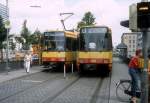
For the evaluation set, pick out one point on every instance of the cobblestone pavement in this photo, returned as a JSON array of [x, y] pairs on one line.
[[14, 87], [51, 87]]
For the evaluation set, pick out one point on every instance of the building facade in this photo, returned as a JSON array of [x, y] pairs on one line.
[[3, 12], [14, 47], [131, 41]]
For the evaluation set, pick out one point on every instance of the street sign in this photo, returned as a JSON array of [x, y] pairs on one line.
[[7, 24]]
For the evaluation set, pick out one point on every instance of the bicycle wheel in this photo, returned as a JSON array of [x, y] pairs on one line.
[[120, 91]]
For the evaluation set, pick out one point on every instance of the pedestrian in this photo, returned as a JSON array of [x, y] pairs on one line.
[[135, 72], [27, 61]]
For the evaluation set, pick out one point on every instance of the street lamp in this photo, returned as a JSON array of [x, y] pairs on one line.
[[7, 26]]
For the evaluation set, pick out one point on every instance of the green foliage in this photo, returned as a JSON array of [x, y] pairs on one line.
[[12, 46], [81, 24], [19, 40], [25, 33], [87, 20], [36, 37], [28, 37], [3, 32]]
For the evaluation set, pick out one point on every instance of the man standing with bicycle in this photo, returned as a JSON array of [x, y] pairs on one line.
[[134, 72]]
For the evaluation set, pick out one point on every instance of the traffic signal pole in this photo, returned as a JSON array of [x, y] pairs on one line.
[[144, 81], [143, 24], [144, 76], [140, 21]]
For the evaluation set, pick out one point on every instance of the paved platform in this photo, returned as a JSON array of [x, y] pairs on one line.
[[120, 71], [5, 76], [51, 87]]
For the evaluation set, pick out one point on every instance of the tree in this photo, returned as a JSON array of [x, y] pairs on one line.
[[19, 39], [3, 34], [81, 24], [12, 46], [25, 33], [36, 37], [87, 20]]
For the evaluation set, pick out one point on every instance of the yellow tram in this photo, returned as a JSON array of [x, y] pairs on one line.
[[59, 48], [95, 49]]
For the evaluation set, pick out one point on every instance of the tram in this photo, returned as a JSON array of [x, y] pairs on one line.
[[95, 49], [59, 49]]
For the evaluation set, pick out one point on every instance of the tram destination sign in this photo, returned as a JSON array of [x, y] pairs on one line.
[[94, 30]]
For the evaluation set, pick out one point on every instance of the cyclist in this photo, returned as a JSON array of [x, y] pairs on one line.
[[134, 72]]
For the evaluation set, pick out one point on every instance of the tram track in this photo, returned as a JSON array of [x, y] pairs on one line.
[[82, 89], [97, 90], [50, 99]]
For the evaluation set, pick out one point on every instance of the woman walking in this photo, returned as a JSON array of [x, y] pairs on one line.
[[27, 62]]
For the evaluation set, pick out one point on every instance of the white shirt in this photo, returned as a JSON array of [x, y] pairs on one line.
[[27, 58]]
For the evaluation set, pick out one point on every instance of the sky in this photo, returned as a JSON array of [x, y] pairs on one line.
[[106, 12]]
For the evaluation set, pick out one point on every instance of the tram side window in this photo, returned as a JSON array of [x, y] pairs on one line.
[[109, 44], [68, 44]]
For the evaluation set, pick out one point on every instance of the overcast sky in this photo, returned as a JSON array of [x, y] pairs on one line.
[[106, 12]]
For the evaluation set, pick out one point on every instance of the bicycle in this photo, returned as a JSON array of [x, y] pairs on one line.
[[123, 91]]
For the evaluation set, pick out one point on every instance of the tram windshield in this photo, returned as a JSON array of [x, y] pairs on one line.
[[54, 41], [93, 39]]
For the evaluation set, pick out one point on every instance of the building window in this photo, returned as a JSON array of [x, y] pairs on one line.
[[133, 41], [129, 37], [129, 41], [129, 46]]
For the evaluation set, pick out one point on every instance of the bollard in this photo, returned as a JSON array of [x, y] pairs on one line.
[[72, 67], [64, 71]]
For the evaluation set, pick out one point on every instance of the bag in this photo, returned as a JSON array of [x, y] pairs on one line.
[[140, 63]]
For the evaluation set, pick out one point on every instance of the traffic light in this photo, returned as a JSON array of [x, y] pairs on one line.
[[143, 15]]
